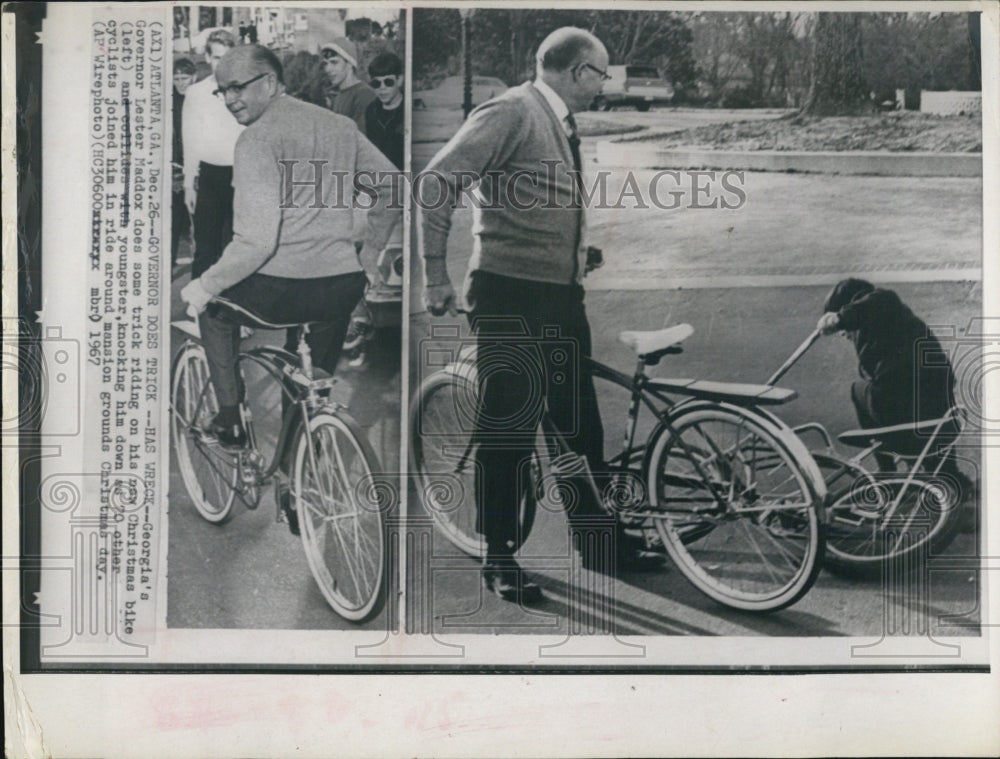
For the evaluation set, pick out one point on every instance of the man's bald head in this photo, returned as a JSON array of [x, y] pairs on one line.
[[249, 78], [574, 63], [257, 57], [565, 47]]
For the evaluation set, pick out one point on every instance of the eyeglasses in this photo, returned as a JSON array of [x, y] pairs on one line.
[[605, 76], [237, 89], [382, 81]]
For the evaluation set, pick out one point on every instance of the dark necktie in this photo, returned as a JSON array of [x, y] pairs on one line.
[[574, 146], [574, 141]]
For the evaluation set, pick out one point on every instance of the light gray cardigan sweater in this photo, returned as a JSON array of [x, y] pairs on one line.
[[300, 225], [527, 217]]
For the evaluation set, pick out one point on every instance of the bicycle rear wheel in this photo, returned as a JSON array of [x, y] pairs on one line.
[[340, 509], [739, 514], [875, 521], [442, 418], [208, 470]]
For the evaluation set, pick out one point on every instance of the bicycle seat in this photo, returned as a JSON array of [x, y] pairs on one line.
[[651, 346], [188, 327], [896, 434]]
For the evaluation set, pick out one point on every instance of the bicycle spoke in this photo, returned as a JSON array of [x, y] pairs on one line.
[[209, 473], [756, 547], [759, 548], [331, 499], [343, 539], [790, 557]]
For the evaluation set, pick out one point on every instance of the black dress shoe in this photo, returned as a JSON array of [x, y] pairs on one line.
[[231, 436], [508, 581], [284, 496]]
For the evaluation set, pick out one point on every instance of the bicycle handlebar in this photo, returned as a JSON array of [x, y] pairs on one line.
[[263, 324], [796, 355]]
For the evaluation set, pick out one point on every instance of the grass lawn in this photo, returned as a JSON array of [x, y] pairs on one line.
[[901, 131]]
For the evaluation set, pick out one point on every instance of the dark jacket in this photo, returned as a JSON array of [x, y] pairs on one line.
[[908, 369], [385, 130]]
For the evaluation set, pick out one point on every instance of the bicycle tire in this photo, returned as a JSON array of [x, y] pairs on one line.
[[761, 548], [209, 472], [442, 416], [340, 504], [862, 540]]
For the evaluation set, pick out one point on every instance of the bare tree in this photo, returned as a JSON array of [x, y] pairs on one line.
[[837, 79]]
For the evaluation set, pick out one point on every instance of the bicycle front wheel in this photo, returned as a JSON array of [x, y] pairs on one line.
[[340, 505], [442, 419], [209, 471], [737, 511]]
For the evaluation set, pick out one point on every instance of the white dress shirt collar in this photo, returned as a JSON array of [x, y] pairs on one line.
[[555, 102]]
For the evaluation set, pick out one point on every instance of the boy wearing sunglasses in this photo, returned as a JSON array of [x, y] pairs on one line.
[[384, 115]]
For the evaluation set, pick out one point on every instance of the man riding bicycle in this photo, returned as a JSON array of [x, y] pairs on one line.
[[292, 258]]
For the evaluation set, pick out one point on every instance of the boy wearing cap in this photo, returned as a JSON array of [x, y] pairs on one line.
[[351, 95]]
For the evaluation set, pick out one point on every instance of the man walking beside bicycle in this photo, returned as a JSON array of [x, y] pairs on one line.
[[292, 258], [524, 285]]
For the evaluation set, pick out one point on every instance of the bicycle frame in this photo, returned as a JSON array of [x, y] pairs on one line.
[[915, 463], [646, 391], [285, 369]]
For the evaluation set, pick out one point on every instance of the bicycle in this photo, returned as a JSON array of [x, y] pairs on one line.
[[876, 519], [727, 488], [333, 468]]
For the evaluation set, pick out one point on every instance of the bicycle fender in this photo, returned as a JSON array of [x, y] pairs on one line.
[[772, 423]]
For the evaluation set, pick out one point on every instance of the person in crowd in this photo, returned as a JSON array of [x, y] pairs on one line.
[[305, 78], [202, 70], [209, 132], [351, 96], [180, 218], [384, 124], [290, 259], [524, 285]]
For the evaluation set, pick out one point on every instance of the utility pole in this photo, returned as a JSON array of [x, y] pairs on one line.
[[466, 14]]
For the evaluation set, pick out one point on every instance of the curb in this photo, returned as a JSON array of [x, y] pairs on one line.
[[879, 163]]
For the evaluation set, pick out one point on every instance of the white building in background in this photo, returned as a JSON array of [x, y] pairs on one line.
[[282, 28], [277, 27], [951, 103]]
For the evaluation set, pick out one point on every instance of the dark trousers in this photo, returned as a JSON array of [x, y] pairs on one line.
[[329, 300], [180, 224], [530, 340], [213, 216], [886, 404], [180, 220]]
